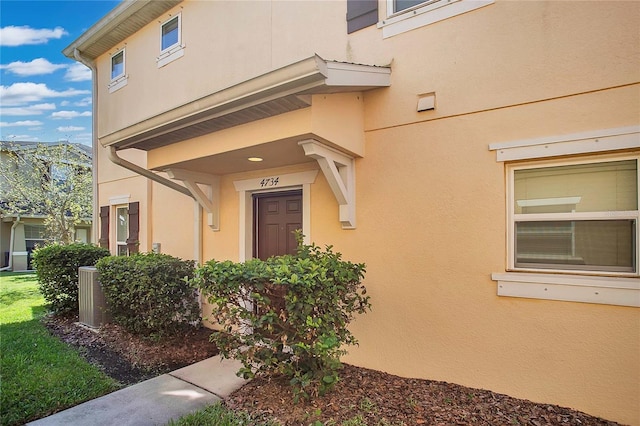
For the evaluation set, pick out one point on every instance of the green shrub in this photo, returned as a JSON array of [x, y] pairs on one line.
[[149, 294], [296, 322], [57, 271]]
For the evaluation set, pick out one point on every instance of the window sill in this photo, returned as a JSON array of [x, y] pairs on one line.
[[170, 55], [411, 19], [620, 291], [118, 83]]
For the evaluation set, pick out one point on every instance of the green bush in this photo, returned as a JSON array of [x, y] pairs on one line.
[[149, 294], [295, 323], [57, 271]]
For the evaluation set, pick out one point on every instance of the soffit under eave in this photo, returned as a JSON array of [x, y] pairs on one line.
[[277, 92], [122, 22]]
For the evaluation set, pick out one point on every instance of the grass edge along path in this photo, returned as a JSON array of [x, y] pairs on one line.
[[39, 375], [219, 415]]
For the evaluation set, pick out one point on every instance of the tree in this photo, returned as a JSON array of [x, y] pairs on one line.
[[49, 179]]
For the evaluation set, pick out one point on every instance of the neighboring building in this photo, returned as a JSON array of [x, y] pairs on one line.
[[21, 232], [481, 157]]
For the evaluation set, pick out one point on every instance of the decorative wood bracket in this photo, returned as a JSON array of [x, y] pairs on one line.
[[209, 201], [339, 170]]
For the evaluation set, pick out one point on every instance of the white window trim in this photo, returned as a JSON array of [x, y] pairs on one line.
[[119, 199], [176, 50], [571, 144], [246, 189], [119, 81], [570, 286], [426, 13], [601, 290]]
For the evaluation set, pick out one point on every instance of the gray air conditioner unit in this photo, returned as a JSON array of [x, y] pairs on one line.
[[93, 305]]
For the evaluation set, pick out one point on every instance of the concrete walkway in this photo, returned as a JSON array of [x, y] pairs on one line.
[[156, 401]]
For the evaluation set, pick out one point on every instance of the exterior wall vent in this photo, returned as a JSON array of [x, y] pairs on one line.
[[93, 305]]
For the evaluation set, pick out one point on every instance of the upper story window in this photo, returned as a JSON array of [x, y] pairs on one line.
[[170, 33], [406, 15], [118, 71], [171, 47], [117, 65], [399, 5]]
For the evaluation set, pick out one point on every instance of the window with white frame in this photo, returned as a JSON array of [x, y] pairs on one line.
[[406, 15], [574, 216], [122, 230], [118, 75], [171, 47]]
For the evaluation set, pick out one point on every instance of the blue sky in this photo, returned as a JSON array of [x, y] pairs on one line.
[[44, 96]]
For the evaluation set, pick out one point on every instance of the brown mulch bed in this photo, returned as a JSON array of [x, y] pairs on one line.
[[369, 397], [362, 397], [127, 358]]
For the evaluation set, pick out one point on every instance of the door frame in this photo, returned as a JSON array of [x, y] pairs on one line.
[[270, 183]]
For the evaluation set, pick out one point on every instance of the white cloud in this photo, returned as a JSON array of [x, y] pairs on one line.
[[70, 114], [28, 110], [38, 66], [22, 93], [78, 72], [20, 36], [65, 103], [70, 129], [21, 123], [23, 138], [84, 102]]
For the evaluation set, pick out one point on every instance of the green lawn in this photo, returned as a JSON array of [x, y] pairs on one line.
[[218, 415], [39, 374]]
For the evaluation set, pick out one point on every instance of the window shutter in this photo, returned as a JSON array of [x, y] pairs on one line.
[[361, 14], [134, 227], [104, 227]]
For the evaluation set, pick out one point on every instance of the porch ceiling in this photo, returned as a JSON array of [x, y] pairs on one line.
[[277, 92], [274, 154]]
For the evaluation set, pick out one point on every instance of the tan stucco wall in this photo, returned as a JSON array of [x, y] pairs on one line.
[[172, 219], [431, 219]]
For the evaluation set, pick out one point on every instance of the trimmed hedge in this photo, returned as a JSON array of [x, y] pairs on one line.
[[287, 315], [149, 294], [57, 271]]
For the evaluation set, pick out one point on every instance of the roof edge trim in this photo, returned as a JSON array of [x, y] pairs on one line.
[[310, 75]]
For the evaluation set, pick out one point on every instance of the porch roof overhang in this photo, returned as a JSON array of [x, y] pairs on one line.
[[280, 91]]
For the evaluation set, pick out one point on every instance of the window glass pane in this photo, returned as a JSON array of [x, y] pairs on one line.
[[170, 33], [399, 5], [594, 187], [122, 250], [34, 232], [117, 65], [122, 225], [607, 245]]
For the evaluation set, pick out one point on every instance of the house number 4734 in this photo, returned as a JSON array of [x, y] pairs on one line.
[[269, 182]]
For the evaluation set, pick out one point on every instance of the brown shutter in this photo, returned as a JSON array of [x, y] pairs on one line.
[[361, 14], [133, 243], [104, 227]]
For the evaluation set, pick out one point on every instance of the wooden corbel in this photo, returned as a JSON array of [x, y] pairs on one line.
[[209, 201], [340, 172]]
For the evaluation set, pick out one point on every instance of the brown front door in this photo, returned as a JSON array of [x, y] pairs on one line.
[[277, 216]]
